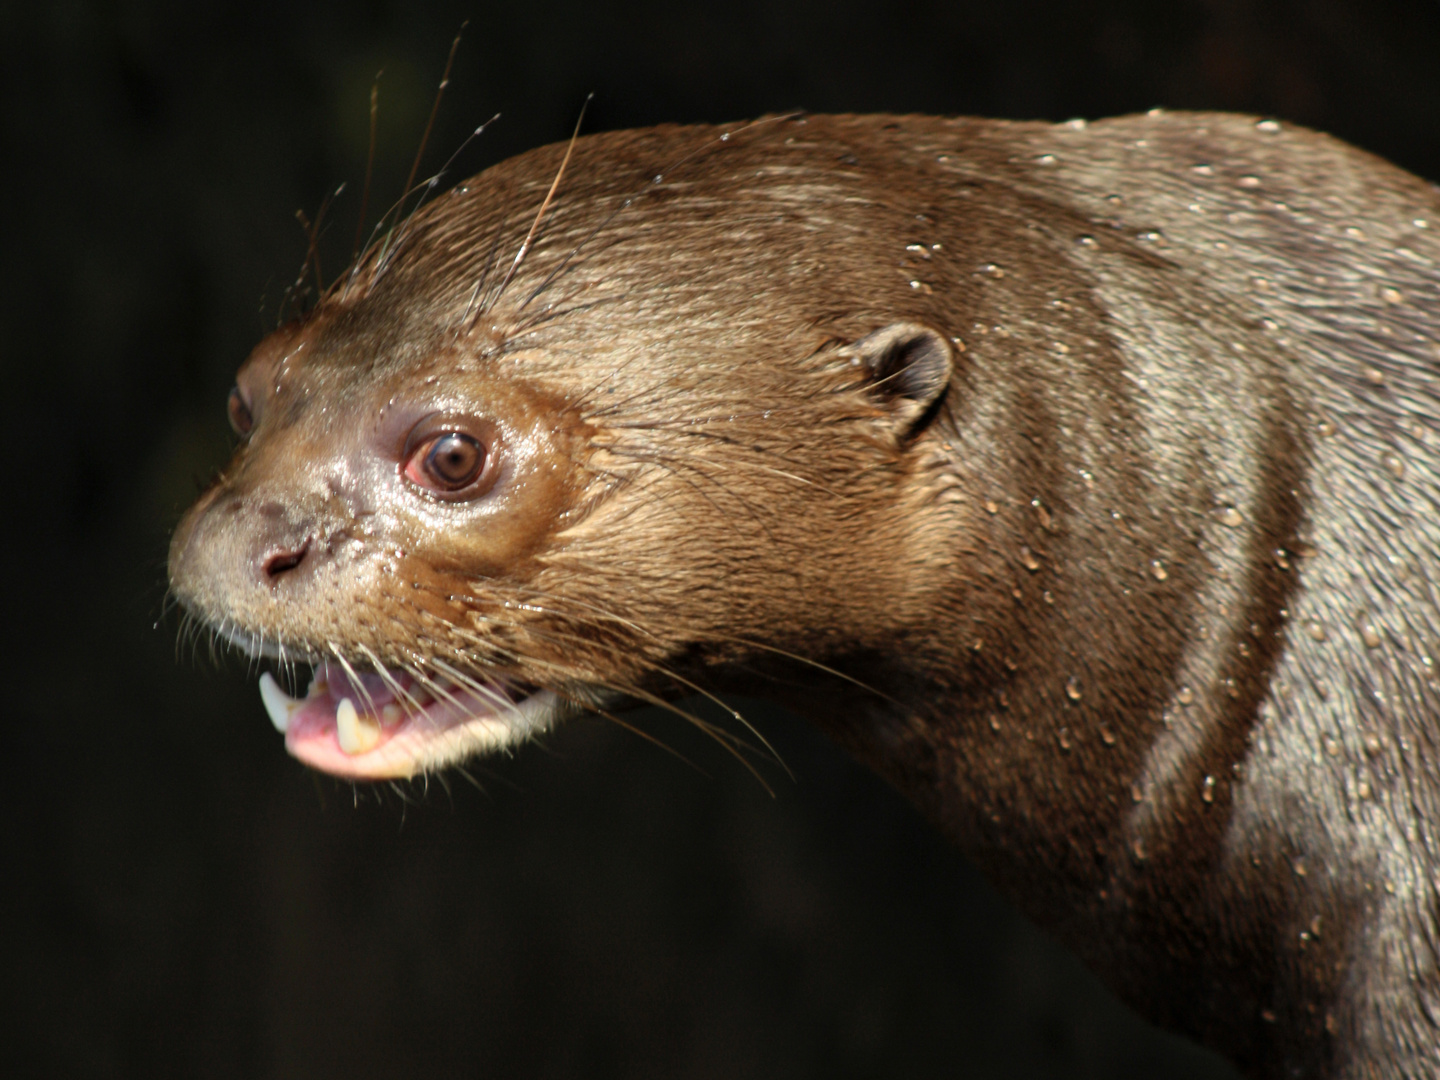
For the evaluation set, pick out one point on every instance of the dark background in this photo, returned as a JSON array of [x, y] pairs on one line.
[[177, 897]]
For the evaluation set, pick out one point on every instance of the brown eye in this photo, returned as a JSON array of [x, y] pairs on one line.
[[447, 463], [239, 412]]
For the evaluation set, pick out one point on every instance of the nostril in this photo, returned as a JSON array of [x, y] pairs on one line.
[[278, 562]]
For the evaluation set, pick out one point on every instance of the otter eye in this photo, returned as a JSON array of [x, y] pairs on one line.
[[449, 462], [239, 413]]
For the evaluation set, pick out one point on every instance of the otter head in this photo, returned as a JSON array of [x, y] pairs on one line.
[[502, 473]]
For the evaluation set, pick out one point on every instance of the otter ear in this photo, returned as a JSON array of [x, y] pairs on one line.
[[910, 365]]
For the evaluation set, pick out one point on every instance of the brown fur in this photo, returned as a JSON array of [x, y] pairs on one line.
[[1134, 548]]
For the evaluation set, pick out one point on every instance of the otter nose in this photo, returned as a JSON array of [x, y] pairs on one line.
[[281, 544]]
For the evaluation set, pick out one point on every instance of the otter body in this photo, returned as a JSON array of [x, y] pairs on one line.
[[1084, 480]]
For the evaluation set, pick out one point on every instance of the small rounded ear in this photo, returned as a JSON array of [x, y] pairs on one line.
[[910, 365]]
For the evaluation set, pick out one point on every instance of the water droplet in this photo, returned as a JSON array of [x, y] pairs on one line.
[[994, 722], [1326, 428], [1299, 868], [1063, 737], [1048, 596], [1270, 127], [1395, 465], [1041, 513], [1185, 695], [1392, 296], [1158, 571], [1076, 123], [918, 249], [1137, 849], [1072, 688], [1136, 795], [1316, 629], [1149, 236], [1107, 736], [1230, 517], [1028, 559], [1085, 240], [1249, 181], [1332, 747], [1046, 159], [1375, 375], [1089, 479], [1363, 789], [1203, 170], [1370, 636], [1282, 559], [991, 270], [1207, 790], [991, 506], [1420, 223], [1114, 200]]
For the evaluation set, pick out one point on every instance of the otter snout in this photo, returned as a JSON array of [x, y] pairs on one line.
[[249, 563]]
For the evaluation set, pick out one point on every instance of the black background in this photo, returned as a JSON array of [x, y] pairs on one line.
[[177, 897]]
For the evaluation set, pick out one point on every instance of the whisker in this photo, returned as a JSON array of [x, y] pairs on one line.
[[651, 739], [369, 173], [354, 679], [479, 689], [435, 106], [402, 694], [697, 689], [650, 183], [549, 196], [472, 311]]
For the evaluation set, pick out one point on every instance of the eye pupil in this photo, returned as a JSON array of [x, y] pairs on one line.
[[454, 460]]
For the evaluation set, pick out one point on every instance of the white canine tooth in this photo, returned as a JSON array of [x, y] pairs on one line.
[[356, 733], [280, 705], [391, 714]]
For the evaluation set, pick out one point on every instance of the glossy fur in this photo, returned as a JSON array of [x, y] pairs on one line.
[[1128, 528]]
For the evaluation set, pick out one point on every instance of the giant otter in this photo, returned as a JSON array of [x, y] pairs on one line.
[[1080, 479]]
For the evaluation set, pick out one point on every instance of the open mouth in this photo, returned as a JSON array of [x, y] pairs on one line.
[[365, 726]]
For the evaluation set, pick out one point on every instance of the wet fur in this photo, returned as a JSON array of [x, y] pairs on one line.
[[1143, 601]]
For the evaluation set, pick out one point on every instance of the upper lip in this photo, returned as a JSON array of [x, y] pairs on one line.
[[259, 647]]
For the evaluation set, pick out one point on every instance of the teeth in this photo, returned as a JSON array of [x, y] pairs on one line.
[[357, 734], [391, 714], [280, 705]]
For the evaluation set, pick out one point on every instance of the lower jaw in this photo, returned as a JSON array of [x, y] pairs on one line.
[[369, 733]]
